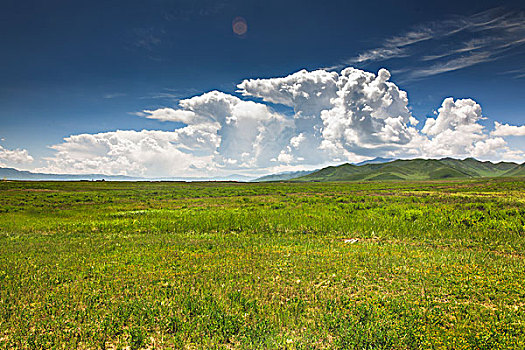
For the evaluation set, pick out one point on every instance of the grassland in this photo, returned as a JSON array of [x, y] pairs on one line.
[[437, 265]]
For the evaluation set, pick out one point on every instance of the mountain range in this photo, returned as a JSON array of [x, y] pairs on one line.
[[288, 175], [416, 169], [376, 160], [372, 170], [14, 174]]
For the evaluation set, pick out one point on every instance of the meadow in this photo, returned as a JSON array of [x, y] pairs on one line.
[[377, 265]]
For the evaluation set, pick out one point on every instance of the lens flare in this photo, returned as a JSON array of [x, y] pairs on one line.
[[239, 26]]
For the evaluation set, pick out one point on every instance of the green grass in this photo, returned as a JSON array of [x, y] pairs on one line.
[[438, 265]]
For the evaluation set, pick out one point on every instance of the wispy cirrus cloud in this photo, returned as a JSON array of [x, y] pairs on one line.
[[452, 44], [114, 95], [380, 54], [148, 38], [516, 73], [452, 64], [186, 10], [170, 94]]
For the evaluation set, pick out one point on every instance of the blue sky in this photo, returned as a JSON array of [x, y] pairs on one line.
[[81, 68]]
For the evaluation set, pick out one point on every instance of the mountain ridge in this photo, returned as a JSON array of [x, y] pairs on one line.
[[24, 175], [376, 160], [289, 175], [286, 175], [377, 169], [416, 169]]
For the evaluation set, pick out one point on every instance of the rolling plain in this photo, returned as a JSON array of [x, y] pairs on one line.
[[349, 265]]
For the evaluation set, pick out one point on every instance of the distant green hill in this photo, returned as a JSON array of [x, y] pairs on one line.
[[283, 176], [416, 169], [516, 171]]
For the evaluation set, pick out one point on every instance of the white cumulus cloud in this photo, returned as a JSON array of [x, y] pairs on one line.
[[14, 157], [342, 116], [369, 112], [169, 114], [456, 132], [508, 130], [348, 114], [145, 153]]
